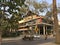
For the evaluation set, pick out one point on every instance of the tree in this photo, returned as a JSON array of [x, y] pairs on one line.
[[37, 7], [2, 24], [49, 14], [9, 17], [24, 10], [57, 39]]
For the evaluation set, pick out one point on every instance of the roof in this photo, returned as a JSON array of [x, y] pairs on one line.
[[26, 19], [37, 24]]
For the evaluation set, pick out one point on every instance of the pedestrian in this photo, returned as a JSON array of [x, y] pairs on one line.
[[45, 36]]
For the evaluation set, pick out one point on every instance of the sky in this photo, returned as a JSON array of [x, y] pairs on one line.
[[50, 2]]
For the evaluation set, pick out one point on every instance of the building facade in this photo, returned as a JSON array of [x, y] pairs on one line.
[[38, 24]]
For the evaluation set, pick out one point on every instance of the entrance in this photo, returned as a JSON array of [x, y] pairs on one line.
[[41, 30]]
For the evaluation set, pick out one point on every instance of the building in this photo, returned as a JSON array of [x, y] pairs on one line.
[[38, 24]]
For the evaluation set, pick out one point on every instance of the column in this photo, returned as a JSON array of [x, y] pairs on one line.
[[44, 29], [39, 31]]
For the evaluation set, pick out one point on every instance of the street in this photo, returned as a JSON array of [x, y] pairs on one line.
[[40, 41]]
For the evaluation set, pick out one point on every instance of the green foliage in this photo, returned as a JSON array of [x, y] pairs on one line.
[[48, 32], [38, 7], [10, 34], [19, 2], [10, 23]]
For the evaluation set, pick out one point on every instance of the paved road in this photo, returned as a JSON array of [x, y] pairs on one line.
[[40, 41]]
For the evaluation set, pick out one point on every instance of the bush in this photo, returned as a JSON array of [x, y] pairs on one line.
[[10, 34], [48, 32]]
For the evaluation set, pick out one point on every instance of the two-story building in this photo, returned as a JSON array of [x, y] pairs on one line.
[[35, 23]]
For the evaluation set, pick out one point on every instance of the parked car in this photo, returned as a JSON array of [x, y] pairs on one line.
[[37, 36], [28, 37]]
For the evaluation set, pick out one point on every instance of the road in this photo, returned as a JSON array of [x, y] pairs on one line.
[[40, 41]]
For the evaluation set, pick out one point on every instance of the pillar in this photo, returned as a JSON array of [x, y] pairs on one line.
[[39, 31], [44, 29]]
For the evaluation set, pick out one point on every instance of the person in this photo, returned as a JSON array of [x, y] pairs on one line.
[[45, 36]]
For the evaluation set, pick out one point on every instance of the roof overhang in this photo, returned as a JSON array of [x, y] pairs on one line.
[[23, 29]]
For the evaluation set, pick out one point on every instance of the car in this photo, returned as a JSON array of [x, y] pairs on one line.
[[28, 37], [37, 36]]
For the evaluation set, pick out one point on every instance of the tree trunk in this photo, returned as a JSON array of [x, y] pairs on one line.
[[0, 38], [57, 38]]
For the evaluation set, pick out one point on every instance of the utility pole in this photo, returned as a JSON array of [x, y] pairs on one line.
[[56, 26]]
